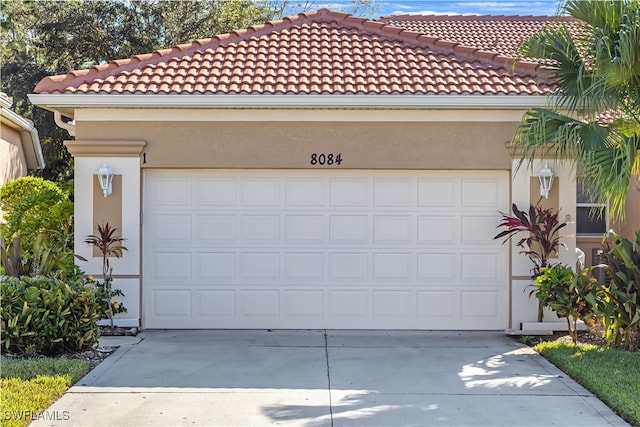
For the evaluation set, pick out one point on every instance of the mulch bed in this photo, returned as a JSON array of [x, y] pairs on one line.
[[108, 331], [97, 354], [594, 335]]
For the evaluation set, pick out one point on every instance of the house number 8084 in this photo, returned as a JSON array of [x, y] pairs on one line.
[[326, 159]]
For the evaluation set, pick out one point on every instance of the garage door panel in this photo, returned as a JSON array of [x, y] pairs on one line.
[[216, 266], [215, 229], [437, 267], [393, 192], [481, 267], [218, 192], [171, 303], [349, 192], [478, 192], [261, 191], [438, 192], [440, 305], [349, 303], [349, 229], [393, 229], [438, 230], [324, 249], [304, 229], [260, 229], [479, 304], [171, 265], [475, 229], [260, 303], [172, 229], [212, 303], [349, 267], [259, 266], [393, 303], [170, 191], [304, 303], [305, 192], [393, 267], [305, 266]]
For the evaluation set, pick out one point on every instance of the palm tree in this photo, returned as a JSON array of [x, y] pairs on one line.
[[595, 116]]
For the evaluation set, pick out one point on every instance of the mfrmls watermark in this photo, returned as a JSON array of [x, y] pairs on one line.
[[46, 415]]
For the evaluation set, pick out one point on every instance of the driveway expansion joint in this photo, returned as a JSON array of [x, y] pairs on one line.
[[326, 352]]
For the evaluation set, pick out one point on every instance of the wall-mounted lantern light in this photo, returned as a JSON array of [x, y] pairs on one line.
[[105, 176], [546, 180]]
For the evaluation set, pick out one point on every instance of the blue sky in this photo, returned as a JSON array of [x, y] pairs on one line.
[[490, 7]]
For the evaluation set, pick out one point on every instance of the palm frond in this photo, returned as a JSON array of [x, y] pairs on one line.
[[595, 119], [545, 133]]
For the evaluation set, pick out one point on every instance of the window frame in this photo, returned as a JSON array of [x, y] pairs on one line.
[[590, 206]]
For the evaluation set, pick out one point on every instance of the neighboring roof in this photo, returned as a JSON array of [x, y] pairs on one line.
[[502, 34], [28, 133], [322, 52]]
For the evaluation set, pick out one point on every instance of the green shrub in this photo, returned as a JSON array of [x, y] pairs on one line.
[[103, 297], [32, 205], [45, 260], [566, 293], [619, 302], [47, 316]]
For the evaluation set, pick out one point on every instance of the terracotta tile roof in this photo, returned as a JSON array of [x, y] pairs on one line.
[[321, 52], [502, 34]]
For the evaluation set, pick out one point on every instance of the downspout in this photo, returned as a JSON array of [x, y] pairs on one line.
[[68, 126]]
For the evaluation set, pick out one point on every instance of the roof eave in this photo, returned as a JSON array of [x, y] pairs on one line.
[[29, 138], [66, 103]]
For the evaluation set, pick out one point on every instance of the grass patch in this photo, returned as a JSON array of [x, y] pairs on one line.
[[611, 374], [30, 386]]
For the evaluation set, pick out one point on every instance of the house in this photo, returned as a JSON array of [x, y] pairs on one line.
[[320, 171], [20, 148]]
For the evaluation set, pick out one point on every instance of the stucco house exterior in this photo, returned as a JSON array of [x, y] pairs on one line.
[[321, 171], [20, 149]]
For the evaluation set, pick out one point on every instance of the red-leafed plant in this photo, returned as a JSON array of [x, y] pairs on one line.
[[540, 236], [110, 245]]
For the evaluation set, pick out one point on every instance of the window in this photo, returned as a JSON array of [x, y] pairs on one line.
[[591, 218]]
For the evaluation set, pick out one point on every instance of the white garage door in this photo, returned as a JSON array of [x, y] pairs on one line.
[[324, 249]]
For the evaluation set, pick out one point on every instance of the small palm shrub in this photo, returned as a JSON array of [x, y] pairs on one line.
[[539, 236], [110, 245], [47, 316]]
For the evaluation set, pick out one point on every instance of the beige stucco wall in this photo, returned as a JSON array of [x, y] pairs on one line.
[[366, 144], [362, 145], [13, 164], [632, 217]]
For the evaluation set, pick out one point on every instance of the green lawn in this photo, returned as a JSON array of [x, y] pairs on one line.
[[29, 386], [613, 375]]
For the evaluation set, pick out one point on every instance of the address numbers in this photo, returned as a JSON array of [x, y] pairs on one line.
[[321, 159]]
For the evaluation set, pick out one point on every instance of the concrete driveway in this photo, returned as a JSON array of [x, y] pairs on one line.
[[332, 378]]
